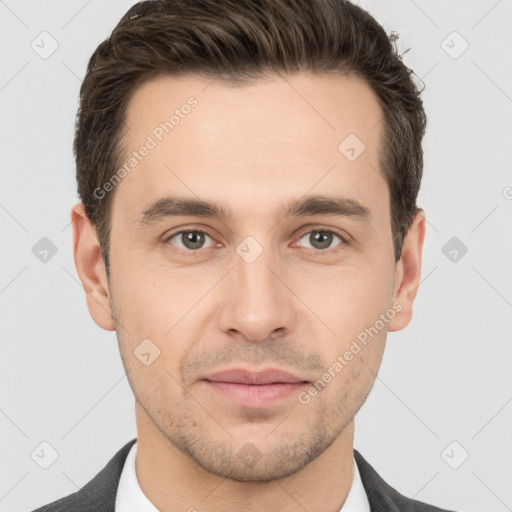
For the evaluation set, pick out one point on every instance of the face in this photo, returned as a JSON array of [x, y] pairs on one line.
[[252, 328]]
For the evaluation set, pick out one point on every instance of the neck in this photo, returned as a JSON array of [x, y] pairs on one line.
[[173, 481]]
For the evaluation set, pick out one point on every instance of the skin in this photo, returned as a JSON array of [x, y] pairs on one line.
[[249, 148]]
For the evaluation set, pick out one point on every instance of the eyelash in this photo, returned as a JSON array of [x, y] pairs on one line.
[[315, 251]]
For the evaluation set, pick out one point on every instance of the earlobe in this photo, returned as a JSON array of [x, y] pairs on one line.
[[408, 272], [91, 268]]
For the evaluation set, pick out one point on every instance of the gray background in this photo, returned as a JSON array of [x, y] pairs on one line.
[[445, 378]]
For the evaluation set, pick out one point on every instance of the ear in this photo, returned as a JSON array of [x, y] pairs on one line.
[[408, 272], [91, 268]]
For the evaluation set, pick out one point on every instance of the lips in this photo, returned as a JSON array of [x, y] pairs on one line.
[[265, 377], [241, 387], [244, 388]]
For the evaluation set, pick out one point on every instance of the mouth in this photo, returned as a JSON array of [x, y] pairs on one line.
[[254, 389]]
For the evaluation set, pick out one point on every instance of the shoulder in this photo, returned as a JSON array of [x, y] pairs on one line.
[[383, 497], [99, 494]]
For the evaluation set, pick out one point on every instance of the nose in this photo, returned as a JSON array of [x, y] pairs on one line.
[[256, 302]]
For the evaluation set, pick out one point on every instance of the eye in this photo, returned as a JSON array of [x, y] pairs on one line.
[[190, 240], [321, 239]]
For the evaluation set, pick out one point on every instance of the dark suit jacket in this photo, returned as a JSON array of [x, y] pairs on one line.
[[99, 495]]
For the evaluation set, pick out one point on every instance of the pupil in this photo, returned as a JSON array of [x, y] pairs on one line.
[[193, 239], [317, 238]]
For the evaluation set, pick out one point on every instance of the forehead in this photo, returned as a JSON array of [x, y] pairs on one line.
[[253, 144]]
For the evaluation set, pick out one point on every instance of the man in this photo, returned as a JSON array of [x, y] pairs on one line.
[[248, 174]]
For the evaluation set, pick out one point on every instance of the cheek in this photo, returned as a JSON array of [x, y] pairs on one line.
[[348, 300], [158, 314], [351, 304], [152, 300]]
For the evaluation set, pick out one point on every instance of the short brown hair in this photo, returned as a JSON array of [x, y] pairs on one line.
[[239, 41]]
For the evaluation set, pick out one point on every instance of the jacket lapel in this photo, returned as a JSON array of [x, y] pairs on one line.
[[382, 497]]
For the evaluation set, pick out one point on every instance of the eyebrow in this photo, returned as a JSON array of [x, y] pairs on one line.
[[168, 207]]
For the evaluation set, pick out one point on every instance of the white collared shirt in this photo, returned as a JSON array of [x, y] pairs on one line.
[[131, 498]]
